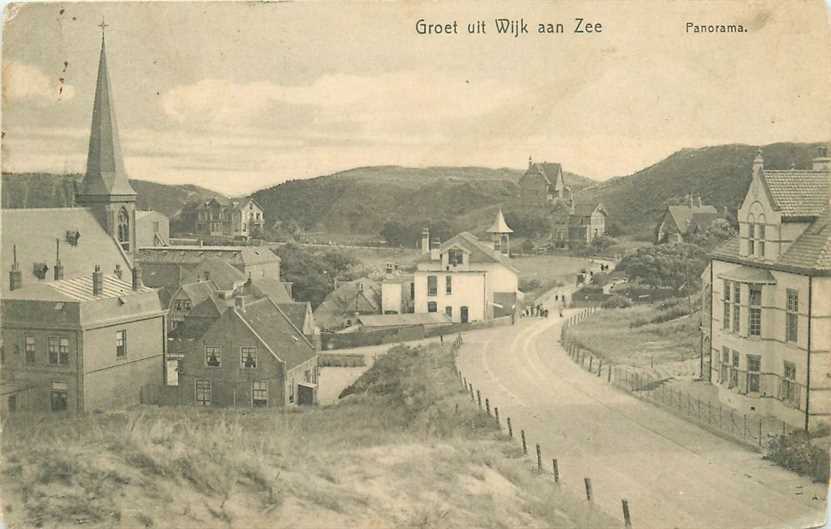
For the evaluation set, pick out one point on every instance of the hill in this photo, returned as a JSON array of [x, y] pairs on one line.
[[44, 190], [361, 200], [719, 174]]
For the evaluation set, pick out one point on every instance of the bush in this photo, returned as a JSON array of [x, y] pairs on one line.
[[617, 302], [795, 451]]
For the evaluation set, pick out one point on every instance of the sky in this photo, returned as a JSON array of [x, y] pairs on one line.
[[241, 96]]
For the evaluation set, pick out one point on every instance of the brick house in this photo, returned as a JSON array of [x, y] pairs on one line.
[[769, 328], [250, 355], [678, 222], [230, 218], [579, 222], [543, 184]]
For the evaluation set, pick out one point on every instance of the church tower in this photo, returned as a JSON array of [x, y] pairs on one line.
[[106, 189], [500, 232]]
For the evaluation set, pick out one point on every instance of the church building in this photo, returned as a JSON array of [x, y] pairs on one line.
[[80, 331]]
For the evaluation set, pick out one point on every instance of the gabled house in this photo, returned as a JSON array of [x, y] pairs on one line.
[[678, 222], [171, 266], [348, 299], [219, 216], [579, 222], [251, 355], [769, 335], [543, 184], [467, 279]]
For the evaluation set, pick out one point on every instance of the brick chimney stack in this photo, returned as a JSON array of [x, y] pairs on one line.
[[58, 269], [425, 240], [15, 275], [136, 277], [435, 249], [97, 281]]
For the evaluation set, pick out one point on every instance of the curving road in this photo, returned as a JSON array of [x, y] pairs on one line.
[[673, 473]]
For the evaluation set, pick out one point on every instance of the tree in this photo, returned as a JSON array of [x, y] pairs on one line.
[[527, 247], [677, 266]]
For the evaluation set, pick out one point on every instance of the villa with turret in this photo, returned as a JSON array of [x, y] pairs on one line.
[[467, 279]]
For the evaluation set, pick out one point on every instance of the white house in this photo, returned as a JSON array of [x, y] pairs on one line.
[[769, 333], [467, 279]]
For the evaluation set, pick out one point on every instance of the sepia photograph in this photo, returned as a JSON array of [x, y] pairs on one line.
[[415, 265]]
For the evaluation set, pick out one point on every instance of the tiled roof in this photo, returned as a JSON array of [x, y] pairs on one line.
[[35, 232], [247, 255], [296, 312], [78, 288], [271, 288], [812, 249], [219, 272], [810, 252], [683, 215], [586, 209], [480, 252], [798, 192], [275, 329]]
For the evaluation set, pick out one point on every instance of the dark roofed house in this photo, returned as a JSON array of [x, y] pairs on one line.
[[361, 296], [678, 222], [543, 184], [252, 355], [768, 334]]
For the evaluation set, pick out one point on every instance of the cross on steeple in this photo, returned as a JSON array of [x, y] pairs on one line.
[[103, 25]]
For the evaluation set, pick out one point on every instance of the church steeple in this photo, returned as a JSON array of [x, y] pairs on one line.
[[106, 189], [105, 179]]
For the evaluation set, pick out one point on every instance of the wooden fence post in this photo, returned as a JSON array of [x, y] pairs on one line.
[[479, 399], [539, 459], [588, 482], [510, 430], [556, 469], [487, 407], [524, 445], [627, 519]]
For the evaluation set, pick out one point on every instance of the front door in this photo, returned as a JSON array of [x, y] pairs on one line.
[[463, 314], [305, 395]]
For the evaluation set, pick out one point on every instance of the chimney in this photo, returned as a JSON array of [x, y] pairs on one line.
[[425, 240], [97, 281], [136, 277], [435, 249], [822, 162], [58, 269], [15, 275], [239, 303]]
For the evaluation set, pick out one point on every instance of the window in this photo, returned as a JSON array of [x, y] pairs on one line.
[[213, 356], [58, 396], [724, 368], [449, 312], [737, 309], [121, 343], [260, 394], [412, 290], [432, 307], [754, 366], [792, 318], [760, 237], [789, 393], [432, 285], [52, 349], [63, 351], [734, 372], [124, 230], [248, 357], [448, 284], [455, 256], [31, 352], [751, 231], [203, 392], [755, 311], [725, 320]]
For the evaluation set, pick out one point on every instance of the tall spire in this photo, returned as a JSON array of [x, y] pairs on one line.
[[105, 178]]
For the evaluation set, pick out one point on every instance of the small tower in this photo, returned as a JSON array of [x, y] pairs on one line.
[[500, 233], [106, 188]]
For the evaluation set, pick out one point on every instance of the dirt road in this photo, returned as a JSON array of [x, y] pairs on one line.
[[673, 473]]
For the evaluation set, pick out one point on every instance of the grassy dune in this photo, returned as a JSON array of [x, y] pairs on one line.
[[642, 335], [405, 449]]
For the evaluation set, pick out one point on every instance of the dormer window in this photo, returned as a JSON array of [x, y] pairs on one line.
[[455, 257]]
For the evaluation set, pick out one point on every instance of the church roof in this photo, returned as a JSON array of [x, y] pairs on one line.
[[35, 233], [798, 192], [499, 225], [105, 173]]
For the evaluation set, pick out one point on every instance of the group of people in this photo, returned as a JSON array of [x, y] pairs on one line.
[[535, 311]]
